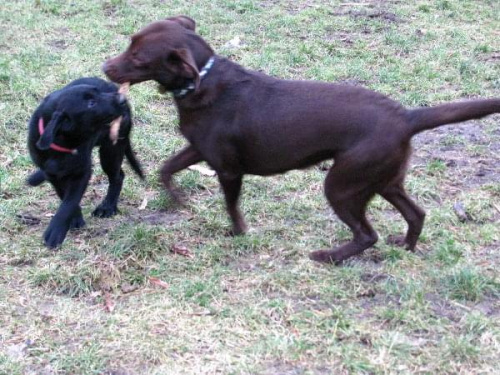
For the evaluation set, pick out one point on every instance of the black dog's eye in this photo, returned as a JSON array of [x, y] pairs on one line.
[[91, 103]]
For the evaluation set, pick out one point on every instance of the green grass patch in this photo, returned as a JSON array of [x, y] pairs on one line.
[[254, 304]]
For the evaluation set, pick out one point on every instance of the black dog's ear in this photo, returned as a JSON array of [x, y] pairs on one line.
[[184, 21], [185, 60], [50, 130]]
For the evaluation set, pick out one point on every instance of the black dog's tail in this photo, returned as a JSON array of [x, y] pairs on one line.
[[36, 178], [134, 163], [428, 118]]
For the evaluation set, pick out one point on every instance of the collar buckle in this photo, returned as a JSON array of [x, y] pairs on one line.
[[181, 93]]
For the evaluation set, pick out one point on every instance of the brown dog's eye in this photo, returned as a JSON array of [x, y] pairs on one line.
[[139, 63]]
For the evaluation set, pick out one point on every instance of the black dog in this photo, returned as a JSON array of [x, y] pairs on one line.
[[64, 129]]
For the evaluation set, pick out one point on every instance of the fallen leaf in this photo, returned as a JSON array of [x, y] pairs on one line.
[[128, 288], [233, 43], [203, 312], [109, 304], [156, 281], [144, 203], [202, 170], [182, 250], [27, 219], [461, 213]]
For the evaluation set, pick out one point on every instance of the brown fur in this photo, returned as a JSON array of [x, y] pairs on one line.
[[244, 122]]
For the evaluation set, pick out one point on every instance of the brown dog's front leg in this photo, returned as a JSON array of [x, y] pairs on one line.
[[183, 159], [231, 185]]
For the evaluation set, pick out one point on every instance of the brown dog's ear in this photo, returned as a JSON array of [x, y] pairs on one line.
[[50, 130], [184, 58], [184, 21]]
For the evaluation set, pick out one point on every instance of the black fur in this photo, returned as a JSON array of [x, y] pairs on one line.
[[78, 117]]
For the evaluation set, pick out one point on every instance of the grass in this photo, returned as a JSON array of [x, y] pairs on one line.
[[255, 304]]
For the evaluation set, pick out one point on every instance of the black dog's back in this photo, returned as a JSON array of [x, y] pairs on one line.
[[99, 83]]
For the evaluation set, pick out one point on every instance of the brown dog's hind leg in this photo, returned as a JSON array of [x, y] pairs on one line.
[[348, 199], [232, 187], [183, 159], [414, 215]]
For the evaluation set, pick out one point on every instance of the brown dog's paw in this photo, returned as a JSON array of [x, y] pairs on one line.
[[233, 232], [239, 229], [325, 256], [177, 197]]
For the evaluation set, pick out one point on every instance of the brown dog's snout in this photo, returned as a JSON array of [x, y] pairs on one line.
[[107, 67]]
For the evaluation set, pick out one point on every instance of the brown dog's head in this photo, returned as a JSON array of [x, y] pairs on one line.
[[168, 52]]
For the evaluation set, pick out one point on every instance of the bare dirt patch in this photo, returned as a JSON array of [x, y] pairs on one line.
[[58, 44], [492, 57], [369, 14], [451, 144], [157, 217]]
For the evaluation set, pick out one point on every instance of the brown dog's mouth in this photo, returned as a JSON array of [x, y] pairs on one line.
[[113, 75], [120, 80], [124, 88]]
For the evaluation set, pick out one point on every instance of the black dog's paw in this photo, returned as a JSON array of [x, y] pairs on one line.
[[54, 236], [105, 210], [36, 178], [77, 222]]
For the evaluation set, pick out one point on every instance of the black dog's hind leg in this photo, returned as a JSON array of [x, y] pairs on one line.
[[111, 161], [69, 214]]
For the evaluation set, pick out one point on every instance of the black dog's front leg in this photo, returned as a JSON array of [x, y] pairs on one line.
[[69, 214], [111, 158]]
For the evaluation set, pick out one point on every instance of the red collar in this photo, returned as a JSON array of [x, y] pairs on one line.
[[53, 146]]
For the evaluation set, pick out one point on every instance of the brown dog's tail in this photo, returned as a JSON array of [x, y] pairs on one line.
[[428, 118]]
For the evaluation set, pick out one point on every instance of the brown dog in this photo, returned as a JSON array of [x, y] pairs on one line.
[[241, 121]]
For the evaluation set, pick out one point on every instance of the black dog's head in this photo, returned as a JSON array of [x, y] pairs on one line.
[[78, 112]]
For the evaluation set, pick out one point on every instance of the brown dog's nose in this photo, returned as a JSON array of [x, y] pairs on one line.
[[105, 67], [108, 69]]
